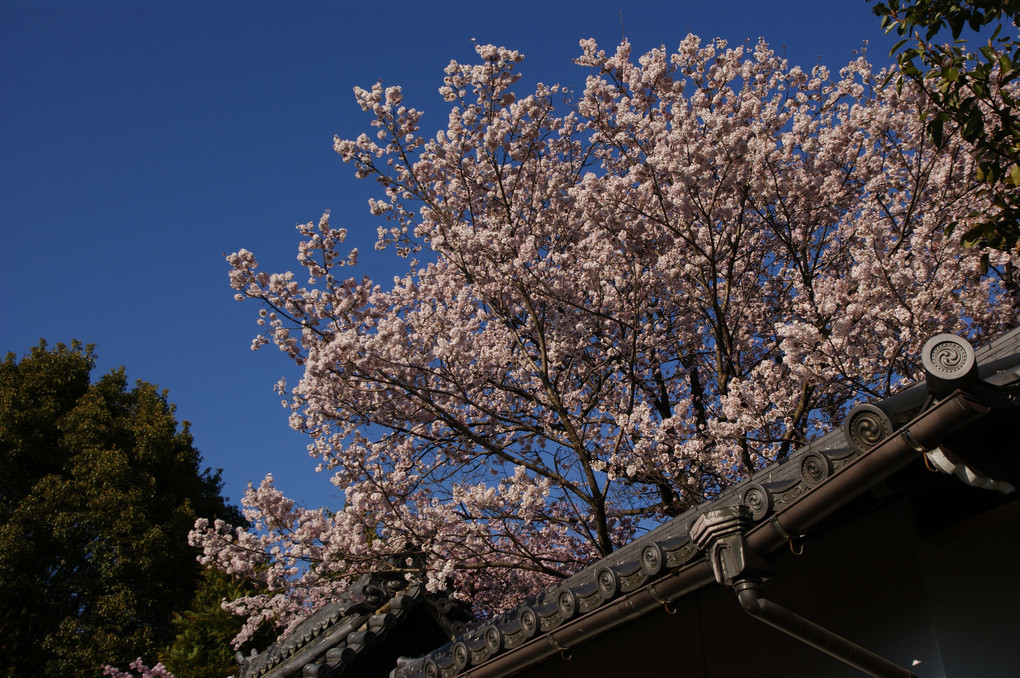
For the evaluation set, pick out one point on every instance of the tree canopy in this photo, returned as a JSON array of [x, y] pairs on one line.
[[99, 486], [201, 646], [616, 302], [975, 92]]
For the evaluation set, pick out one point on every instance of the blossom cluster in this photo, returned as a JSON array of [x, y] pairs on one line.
[[618, 303], [143, 671]]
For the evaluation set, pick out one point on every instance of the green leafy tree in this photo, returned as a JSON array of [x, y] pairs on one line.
[[975, 92], [99, 486], [202, 645]]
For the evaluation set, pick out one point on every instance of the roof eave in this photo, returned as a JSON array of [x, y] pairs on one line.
[[923, 433]]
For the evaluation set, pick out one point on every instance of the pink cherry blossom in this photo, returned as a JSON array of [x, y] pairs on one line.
[[616, 302], [143, 671]]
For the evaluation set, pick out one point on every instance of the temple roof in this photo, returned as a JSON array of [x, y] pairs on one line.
[[371, 624], [963, 413], [959, 420]]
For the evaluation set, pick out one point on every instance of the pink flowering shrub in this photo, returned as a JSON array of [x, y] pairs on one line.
[[615, 303]]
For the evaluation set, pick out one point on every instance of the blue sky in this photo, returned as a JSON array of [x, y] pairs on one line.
[[141, 140]]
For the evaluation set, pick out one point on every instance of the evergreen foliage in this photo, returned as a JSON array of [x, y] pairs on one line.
[[975, 93], [99, 486], [201, 648]]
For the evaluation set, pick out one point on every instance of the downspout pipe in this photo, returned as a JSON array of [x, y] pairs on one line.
[[720, 533], [734, 550], [749, 595], [930, 427]]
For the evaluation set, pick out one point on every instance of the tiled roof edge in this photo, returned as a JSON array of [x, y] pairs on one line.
[[666, 557]]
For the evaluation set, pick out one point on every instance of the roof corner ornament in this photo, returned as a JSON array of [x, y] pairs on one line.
[[949, 364]]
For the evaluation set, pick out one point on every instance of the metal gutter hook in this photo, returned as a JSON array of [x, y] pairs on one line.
[[565, 654], [654, 595], [791, 539]]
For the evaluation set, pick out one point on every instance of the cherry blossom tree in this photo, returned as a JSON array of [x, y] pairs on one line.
[[615, 303]]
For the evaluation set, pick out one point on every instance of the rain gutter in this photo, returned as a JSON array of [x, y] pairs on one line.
[[614, 614], [923, 433]]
